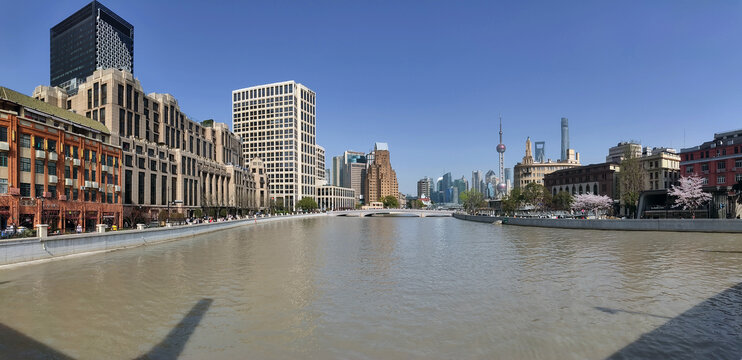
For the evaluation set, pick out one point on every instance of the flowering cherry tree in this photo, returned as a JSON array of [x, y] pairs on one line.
[[689, 193], [590, 202]]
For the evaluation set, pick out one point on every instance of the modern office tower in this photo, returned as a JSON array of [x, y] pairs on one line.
[[508, 174], [92, 38], [167, 157], [565, 138], [460, 185], [540, 152], [354, 173], [337, 170], [381, 179], [277, 123], [328, 176], [423, 187], [619, 152], [477, 181], [501, 188], [321, 166]]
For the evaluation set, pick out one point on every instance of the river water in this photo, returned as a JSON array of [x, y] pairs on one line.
[[384, 288]]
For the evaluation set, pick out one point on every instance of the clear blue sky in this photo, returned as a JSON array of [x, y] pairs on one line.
[[430, 77]]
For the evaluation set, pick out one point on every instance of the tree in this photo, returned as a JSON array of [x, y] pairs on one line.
[[198, 213], [689, 193], [737, 188], [512, 201], [390, 202], [472, 200], [416, 204], [537, 195], [631, 178], [307, 204], [562, 201], [590, 202]]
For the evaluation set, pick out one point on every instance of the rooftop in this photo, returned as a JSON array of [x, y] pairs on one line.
[[38, 105]]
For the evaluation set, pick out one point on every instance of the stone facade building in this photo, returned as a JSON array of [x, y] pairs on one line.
[[262, 185], [169, 161], [56, 167], [381, 179], [597, 179], [530, 171], [330, 197]]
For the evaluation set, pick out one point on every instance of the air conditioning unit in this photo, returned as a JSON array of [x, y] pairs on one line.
[[4, 146], [53, 156], [53, 179], [40, 154], [93, 184], [68, 182], [104, 168], [88, 184], [117, 188], [76, 162]]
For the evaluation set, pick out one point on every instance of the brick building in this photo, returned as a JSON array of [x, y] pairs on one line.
[[381, 179], [719, 163], [56, 167]]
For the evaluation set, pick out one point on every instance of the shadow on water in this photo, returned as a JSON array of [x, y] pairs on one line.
[[16, 345], [174, 342], [616, 311], [709, 330]]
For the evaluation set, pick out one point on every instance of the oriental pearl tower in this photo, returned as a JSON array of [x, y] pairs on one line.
[[501, 186]]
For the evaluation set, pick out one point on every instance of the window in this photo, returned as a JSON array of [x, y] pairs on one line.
[[128, 96], [52, 167], [738, 163], [721, 165], [25, 164], [738, 178], [3, 159], [95, 95], [51, 145], [120, 95], [75, 194], [3, 133], [25, 141], [74, 173], [141, 188], [103, 95], [122, 122], [39, 190], [53, 191], [3, 186], [66, 172], [140, 163], [90, 98], [705, 167], [25, 189], [721, 179]]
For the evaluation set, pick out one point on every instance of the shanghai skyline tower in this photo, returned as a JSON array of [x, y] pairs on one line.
[[565, 138], [502, 186]]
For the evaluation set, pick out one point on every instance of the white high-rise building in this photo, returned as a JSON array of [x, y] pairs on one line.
[[277, 123]]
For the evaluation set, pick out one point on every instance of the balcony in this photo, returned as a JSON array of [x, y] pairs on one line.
[[76, 162], [68, 182], [40, 154], [53, 156], [4, 146], [53, 179]]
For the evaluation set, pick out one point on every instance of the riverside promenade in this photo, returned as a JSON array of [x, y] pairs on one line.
[[671, 225], [28, 250]]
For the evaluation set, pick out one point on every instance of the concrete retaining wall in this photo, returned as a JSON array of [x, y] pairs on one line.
[[677, 225], [23, 250]]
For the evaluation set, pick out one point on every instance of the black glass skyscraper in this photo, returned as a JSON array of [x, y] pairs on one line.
[[92, 38]]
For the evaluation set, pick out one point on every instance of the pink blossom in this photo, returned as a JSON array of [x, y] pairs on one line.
[[689, 193]]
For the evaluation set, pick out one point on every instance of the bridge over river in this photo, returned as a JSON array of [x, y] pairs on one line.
[[394, 212]]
